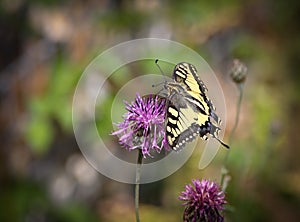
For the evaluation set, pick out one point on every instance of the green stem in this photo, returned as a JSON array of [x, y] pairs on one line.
[[237, 116], [137, 184], [224, 170]]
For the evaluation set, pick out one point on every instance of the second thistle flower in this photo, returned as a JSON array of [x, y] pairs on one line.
[[204, 202]]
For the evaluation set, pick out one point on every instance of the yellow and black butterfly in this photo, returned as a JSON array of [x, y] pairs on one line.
[[190, 113]]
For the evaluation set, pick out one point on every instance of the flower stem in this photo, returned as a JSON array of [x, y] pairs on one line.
[[137, 184], [237, 116], [224, 171]]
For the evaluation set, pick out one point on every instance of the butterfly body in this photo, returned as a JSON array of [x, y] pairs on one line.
[[189, 113]]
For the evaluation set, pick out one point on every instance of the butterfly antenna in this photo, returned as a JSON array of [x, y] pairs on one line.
[[158, 84], [163, 74]]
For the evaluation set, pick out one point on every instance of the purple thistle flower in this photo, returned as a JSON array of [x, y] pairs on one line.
[[204, 201], [143, 125]]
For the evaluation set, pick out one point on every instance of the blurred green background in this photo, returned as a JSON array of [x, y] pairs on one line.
[[44, 48]]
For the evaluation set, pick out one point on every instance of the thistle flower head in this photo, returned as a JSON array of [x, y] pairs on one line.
[[204, 201], [143, 125]]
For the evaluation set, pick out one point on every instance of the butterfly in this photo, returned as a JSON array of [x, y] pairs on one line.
[[189, 113]]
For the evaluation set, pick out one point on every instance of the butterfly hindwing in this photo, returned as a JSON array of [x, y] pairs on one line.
[[178, 130]]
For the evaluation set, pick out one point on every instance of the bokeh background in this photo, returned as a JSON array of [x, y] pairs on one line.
[[44, 48]]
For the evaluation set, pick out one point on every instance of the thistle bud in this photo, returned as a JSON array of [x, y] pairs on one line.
[[238, 71]]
